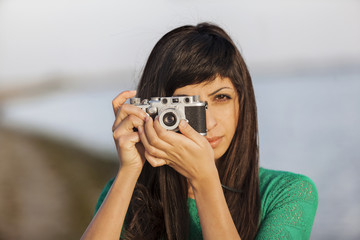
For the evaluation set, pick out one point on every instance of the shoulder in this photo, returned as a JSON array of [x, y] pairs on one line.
[[290, 184], [288, 203], [279, 186]]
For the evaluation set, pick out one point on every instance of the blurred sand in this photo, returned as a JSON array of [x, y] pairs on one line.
[[48, 188]]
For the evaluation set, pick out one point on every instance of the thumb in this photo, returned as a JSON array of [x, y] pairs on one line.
[[188, 131]]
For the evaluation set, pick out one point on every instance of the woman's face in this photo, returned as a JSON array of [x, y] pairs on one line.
[[223, 111]]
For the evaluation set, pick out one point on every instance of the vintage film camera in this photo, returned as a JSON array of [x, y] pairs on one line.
[[172, 109]]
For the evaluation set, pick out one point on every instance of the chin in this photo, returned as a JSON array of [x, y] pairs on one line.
[[218, 155]]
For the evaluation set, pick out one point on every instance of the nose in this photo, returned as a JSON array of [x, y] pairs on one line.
[[210, 119]]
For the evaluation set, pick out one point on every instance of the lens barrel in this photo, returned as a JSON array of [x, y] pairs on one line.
[[169, 119]]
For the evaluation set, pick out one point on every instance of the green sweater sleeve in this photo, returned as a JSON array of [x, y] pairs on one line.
[[288, 202], [103, 194]]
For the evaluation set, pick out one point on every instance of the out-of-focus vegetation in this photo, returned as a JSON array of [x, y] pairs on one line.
[[48, 188]]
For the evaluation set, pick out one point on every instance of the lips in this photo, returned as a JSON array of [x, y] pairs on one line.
[[214, 141]]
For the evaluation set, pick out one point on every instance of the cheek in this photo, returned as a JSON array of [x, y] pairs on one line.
[[232, 121], [236, 115], [229, 121]]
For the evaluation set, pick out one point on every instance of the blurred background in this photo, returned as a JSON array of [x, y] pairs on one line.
[[62, 63]]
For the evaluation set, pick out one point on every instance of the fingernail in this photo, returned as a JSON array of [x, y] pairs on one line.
[[140, 129], [182, 123]]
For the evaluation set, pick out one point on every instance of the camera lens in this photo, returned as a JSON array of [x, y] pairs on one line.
[[169, 119]]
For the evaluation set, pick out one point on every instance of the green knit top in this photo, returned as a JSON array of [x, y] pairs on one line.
[[288, 206]]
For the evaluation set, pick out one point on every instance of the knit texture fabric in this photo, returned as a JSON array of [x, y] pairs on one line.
[[288, 206]]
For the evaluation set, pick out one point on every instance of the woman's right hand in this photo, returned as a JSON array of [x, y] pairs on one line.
[[109, 219], [128, 117]]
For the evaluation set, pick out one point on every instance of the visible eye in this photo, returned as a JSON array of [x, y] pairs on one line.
[[222, 97]]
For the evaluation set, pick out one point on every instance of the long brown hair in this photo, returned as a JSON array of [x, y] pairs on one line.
[[191, 55]]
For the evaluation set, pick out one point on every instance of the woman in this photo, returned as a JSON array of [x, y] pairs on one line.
[[187, 186]]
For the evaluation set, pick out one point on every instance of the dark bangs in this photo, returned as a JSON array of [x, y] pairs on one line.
[[199, 58], [187, 55]]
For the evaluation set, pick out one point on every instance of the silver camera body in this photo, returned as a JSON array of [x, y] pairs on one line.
[[172, 109]]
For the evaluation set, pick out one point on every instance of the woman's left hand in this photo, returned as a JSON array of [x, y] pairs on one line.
[[188, 153]]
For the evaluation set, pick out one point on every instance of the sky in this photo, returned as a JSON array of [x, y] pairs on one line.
[[46, 37]]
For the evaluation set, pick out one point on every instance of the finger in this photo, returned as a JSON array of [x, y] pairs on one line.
[[164, 134], [127, 141], [151, 149], [190, 132], [121, 99], [154, 161], [128, 110], [127, 125], [170, 137], [152, 135]]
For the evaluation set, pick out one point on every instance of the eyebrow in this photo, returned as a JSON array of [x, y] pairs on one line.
[[211, 94]]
